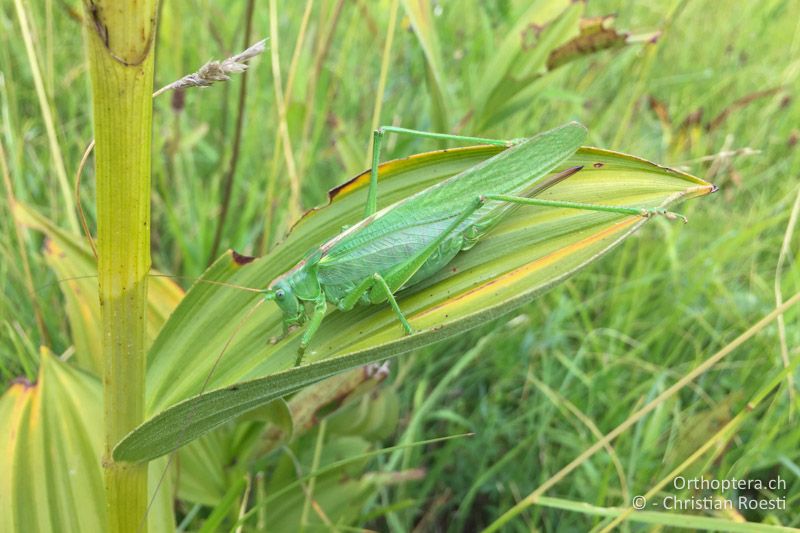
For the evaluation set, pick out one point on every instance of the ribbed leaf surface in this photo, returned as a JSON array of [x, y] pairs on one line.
[[50, 472], [532, 250]]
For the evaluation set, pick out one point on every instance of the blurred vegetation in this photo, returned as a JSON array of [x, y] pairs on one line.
[[715, 93]]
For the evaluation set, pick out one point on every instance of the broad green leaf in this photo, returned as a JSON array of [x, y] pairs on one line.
[[202, 475], [529, 252], [305, 405], [72, 261], [208, 463], [50, 472]]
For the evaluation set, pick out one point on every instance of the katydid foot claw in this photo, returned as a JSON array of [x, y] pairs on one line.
[[669, 215], [286, 332], [301, 350]]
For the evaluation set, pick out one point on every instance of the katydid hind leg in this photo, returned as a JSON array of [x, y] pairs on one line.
[[645, 212], [447, 136], [377, 142], [351, 298], [395, 279], [372, 193], [367, 285]]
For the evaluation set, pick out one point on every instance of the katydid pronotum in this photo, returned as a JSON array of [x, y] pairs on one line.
[[412, 239]]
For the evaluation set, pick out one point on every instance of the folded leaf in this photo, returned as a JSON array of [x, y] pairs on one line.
[[529, 252]]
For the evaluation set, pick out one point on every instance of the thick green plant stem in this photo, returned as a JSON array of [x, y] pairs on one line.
[[120, 36]]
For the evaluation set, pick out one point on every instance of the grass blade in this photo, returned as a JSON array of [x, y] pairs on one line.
[[678, 520]]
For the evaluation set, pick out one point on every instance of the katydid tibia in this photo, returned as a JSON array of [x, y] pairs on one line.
[[407, 242]]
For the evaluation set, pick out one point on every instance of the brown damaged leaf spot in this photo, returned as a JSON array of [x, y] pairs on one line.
[[530, 36], [138, 53], [343, 188], [178, 100], [692, 119], [100, 28], [362, 180], [660, 109], [596, 34], [240, 259], [52, 249], [23, 382]]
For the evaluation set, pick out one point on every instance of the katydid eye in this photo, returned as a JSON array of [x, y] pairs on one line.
[[279, 294]]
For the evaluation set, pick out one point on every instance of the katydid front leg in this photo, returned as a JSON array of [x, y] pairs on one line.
[[346, 304], [320, 306], [382, 288]]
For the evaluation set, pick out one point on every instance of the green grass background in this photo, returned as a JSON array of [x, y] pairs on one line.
[[596, 348]]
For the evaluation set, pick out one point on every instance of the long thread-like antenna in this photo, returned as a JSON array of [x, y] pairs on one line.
[[189, 278], [212, 282]]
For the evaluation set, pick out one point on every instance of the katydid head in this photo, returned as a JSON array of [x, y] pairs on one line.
[[282, 292], [292, 288]]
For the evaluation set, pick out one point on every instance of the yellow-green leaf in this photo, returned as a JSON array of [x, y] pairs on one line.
[[50, 457]]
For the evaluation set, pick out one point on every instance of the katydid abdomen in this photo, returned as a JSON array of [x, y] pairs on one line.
[[381, 257]]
